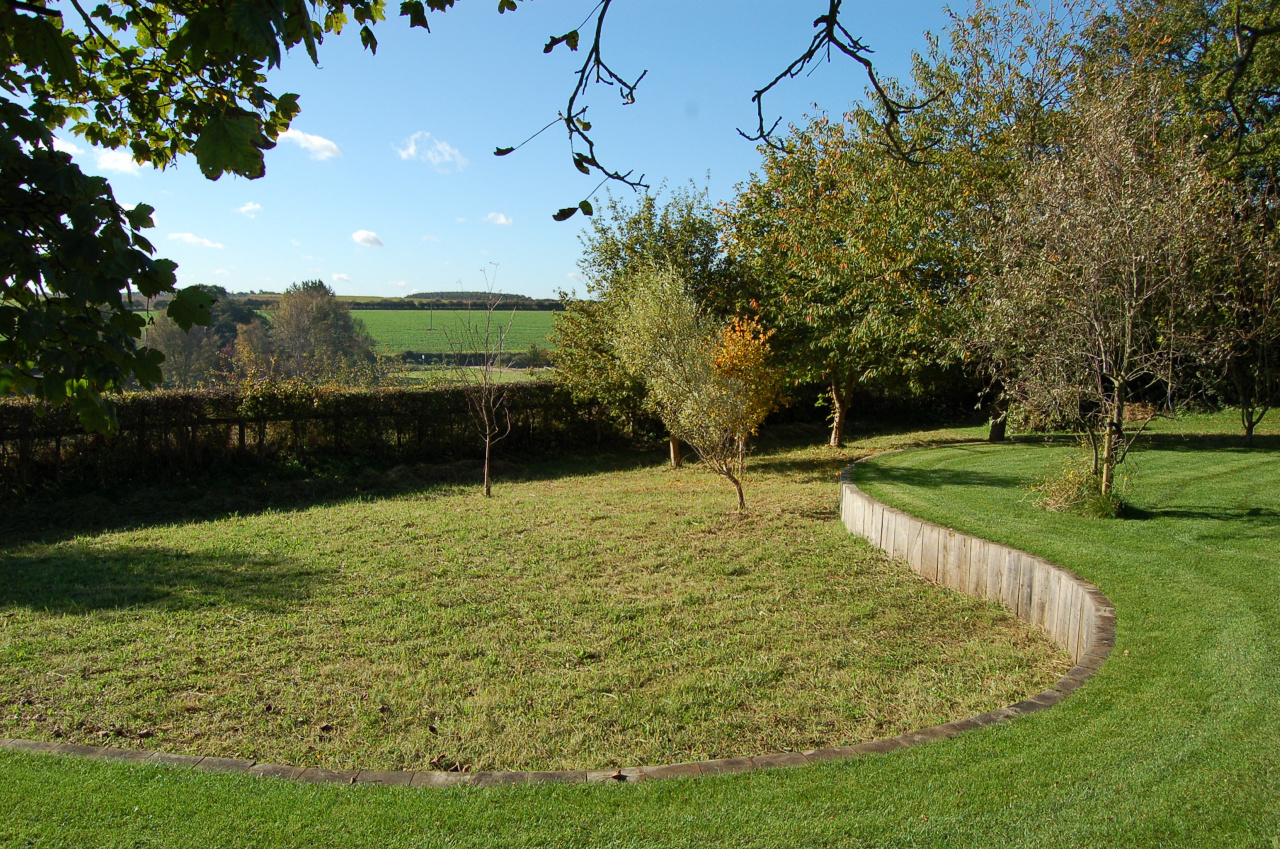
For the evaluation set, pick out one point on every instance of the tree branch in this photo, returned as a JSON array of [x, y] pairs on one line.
[[833, 35]]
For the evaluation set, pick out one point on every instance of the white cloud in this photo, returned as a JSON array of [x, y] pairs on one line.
[[461, 220], [400, 283], [221, 271], [430, 238], [295, 243], [117, 160], [368, 238], [498, 218], [193, 239], [250, 209], [426, 147], [574, 276], [66, 147], [341, 278], [318, 146]]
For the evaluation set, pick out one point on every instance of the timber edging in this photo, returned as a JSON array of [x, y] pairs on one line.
[[1073, 612]]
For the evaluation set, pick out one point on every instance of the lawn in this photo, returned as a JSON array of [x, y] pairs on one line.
[[438, 331], [1173, 743], [588, 616]]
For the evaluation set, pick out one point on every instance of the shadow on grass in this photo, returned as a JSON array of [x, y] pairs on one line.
[[1233, 443], [873, 473], [78, 578], [250, 490], [1261, 517], [772, 454]]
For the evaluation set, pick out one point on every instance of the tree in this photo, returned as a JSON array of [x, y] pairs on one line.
[[710, 382], [226, 315], [845, 250], [315, 336], [1100, 257], [190, 356], [479, 350], [1224, 58], [1241, 319], [999, 87], [681, 234]]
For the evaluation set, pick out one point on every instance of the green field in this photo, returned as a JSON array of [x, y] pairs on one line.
[[1175, 743], [439, 331]]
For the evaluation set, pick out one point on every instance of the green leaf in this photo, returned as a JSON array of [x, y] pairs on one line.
[[41, 44], [140, 216], [565, 214], [416, 13], [229, 144], [368, 40], [190, 306], [503, 151], [506, 6], [571, 39], [95, 412], [580, 161], [586, 208]]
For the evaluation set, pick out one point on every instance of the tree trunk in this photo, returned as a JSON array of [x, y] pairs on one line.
[[742, 502], [676, 460], [1108, 457], [998, 424], [1113, 439], [488, 447], [840, 397]]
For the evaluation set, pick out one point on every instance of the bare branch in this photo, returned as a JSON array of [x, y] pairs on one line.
[[832, 35], [595, 69]]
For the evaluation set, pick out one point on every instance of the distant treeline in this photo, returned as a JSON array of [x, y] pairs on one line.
[[456, 301], [422, 301]]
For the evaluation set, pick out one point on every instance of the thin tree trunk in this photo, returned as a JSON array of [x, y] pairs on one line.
[[1113, 440], [488, 447], [742, 502], [840, 398], [676, 460], [1108, 457]]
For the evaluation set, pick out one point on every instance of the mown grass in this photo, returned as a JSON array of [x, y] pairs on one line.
[[585, 617], [1172, 744], [440, 331]]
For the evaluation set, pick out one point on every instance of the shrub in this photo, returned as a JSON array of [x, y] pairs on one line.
[[1075, 487]]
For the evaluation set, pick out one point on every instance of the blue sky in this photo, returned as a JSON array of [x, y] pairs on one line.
[[387, 183]]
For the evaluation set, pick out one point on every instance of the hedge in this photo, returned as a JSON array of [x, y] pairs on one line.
[[178, 432]]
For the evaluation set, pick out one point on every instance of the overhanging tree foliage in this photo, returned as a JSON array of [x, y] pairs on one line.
[[161, 79]]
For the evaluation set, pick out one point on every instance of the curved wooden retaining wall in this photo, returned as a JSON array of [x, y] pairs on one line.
[[1073, 611]]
